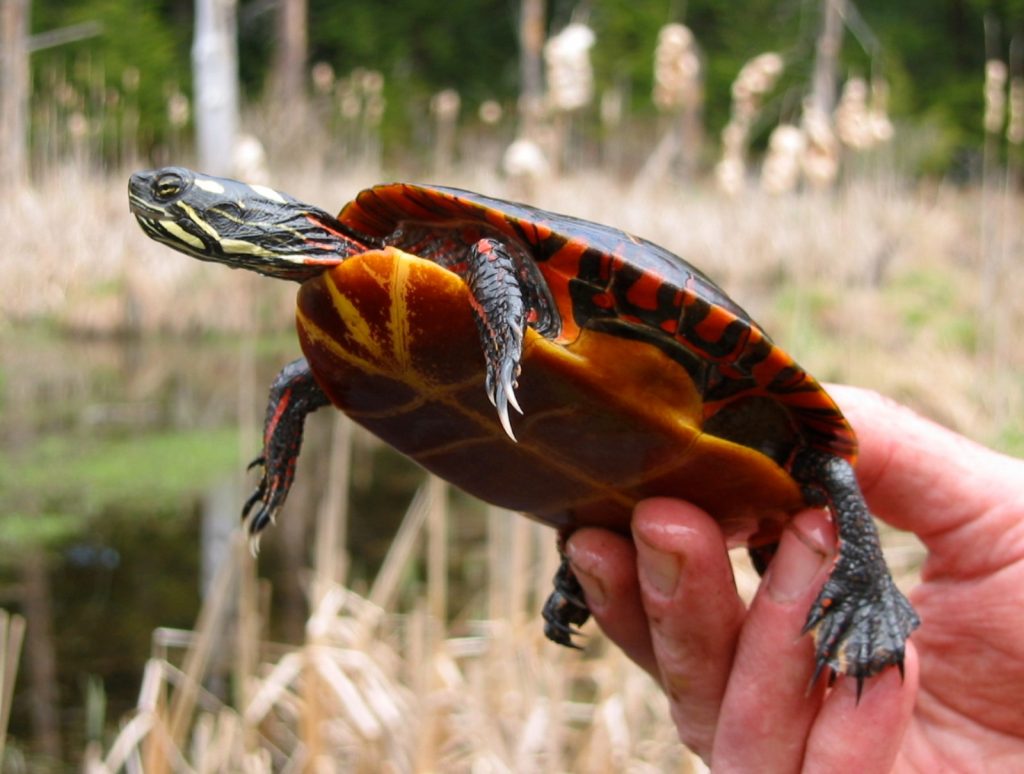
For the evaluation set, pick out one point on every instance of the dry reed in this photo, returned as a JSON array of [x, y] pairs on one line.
[[12, 634], [372, 690]]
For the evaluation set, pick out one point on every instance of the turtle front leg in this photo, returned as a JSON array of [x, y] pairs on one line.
[[500, 313], [860, 621], [293, 395]]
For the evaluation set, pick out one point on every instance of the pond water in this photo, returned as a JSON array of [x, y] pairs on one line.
[[122, 472]]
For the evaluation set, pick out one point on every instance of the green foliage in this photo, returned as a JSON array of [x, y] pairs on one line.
[[933, 301], [932, 52], [146, 38], [52, 488]]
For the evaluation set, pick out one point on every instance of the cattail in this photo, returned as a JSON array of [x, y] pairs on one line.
[[821, 154], [490, 112], [731, 174], [780, 173], [569, 73], [250, 160], [322, 75], [524, 159], [995, 95], [350, 105], [853, 123], [371, 82], [445, 107], [676, 69], [755, 79]]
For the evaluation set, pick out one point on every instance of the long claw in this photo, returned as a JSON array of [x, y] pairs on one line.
[[510, 393], [502, 406], [818, 667], [489, 388], [508, 383]]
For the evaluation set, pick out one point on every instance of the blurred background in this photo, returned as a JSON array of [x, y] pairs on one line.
[[849, 171]]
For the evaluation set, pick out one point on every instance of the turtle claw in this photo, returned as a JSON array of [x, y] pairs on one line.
[[502, 406], [503, 395], [509, 384], [269, 495], [859, 634]]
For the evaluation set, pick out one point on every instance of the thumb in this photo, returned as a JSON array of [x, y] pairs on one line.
[[920, 476]]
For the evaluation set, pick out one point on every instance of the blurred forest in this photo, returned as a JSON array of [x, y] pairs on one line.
[[931, 53]]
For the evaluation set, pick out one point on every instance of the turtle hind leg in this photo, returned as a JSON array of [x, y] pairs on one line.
[[565, 609], [293, 394], [860, 621]]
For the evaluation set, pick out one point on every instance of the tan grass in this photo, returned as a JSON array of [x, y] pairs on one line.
[[374, 690]]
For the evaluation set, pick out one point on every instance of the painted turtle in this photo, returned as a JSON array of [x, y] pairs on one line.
[[419, 305]]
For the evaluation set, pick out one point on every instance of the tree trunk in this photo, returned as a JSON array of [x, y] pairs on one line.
[[14, 89], [289, 76], [830, 42], [531, 72], [215, 76]]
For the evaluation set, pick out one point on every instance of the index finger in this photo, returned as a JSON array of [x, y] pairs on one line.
[[918, 475]]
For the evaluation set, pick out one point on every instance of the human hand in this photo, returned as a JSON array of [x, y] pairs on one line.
[[736, 678]]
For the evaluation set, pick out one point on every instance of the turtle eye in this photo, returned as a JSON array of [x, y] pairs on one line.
[[168, 185]]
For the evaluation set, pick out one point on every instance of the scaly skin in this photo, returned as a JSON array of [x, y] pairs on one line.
[[293, 395], [860, 620]]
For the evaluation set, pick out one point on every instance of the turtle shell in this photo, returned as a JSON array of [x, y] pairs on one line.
[[607, 421], [589, 277]]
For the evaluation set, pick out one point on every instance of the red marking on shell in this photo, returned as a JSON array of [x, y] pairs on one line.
[[558, 270], [712, 327], [643, 294]]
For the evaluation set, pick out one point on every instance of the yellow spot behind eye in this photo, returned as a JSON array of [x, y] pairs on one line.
[[210, 185], [269, 193]]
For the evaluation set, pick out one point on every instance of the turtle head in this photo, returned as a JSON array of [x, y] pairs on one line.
[[241, 225]]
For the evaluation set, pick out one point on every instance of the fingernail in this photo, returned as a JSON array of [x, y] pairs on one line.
[[593, 590], [800, 557], [659, 569]]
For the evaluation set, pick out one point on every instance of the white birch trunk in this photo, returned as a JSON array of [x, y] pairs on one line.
[[215, 80], [14, 88]]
